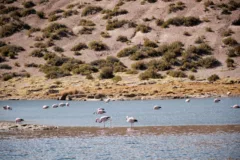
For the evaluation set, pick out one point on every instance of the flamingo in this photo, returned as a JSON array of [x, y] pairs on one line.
[[107, 100], [62, 104], [104, 119], [131, 120], [187, 100], [216, 100], [7, 107], [156, 107], [235, 106], [45, 107], [54, 105], [18, 120], [228, 93], [67, 104], [100, 111]]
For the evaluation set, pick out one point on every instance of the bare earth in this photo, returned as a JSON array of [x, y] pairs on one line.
[[9, 129]]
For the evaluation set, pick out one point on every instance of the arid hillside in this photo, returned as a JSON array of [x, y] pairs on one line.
[[122, 40]]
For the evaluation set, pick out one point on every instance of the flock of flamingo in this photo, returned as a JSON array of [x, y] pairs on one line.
[[104, 119]]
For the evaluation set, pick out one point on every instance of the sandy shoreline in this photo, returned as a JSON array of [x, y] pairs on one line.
[[10, 129]]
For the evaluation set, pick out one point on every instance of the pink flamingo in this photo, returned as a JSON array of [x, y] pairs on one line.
[[100, 111], [7, 107], [216, 100], [131, 120], [45, 107], [187, 100], [54, 105], [235, 106], [104, 119], [157, 107], [18, 120]]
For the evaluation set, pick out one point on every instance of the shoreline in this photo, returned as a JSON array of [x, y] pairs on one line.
[[9, 130]]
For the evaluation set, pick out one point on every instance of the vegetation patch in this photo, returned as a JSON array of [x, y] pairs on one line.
[[143, 28], [5, 66], [114, 24], [79, 47], [230, 41], [209, 62], [182, 21], [86, 30], [85, 69], [140, 65], [98, 46], [178, 74], [10, 50], [112, 13], [8, 76], [90, 10], [122, 38], [174, 7], [148, 74], [84, 22], [159, 65], [106, 73], [213, 78]]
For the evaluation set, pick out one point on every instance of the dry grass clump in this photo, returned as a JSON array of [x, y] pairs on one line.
[[230, 63], [143, 28], [109, 14], [209, 62], [85, 69], [213, 78], [90, 10], [159, 65], [122, 38], [182, 21], [148, 74], [5, 66], [86, 30], [10, 50], [8, 76], [139, 65], [106, 73], [234, 52], [98, 46], [227, 33], [176, 7], [58, 49], [105, 35], [37, 53], [230, 41], [79, 47], [177, 74], [84, 22], [114, 24], [28, 4], [149, 43]]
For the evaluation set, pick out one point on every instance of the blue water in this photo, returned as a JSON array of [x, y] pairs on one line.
[[80, 113], [212, 146]]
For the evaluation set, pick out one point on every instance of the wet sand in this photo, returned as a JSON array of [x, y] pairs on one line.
[[10, 130]]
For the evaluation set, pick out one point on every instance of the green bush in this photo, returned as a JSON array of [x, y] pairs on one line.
[[37, 53], [230, 41], [230, 63], [79, 47], [115, 12], [148, 43], [182, 21], [8, 76], [159, 22], [40, 45], [176, 7], [86, 30], [127, 51], [114, 24], [129, 71], [5, 66], [98, 46], [209, 62], [122, 38], [28, 4], [106, 73], [150, 73], [140, 65], [116, 79], [85, 69], [52, 72], [191, 77], [236, 22], [41, 14], [84, 22], [31, 65], [178, 74], [58, 49], [227, 33], [53, 29], [143, 28], [90, 10], [2, 43], [9, 50], [105, 35], [213, 78], [27, 12], [234, 52], [159, 65], [9, 29]]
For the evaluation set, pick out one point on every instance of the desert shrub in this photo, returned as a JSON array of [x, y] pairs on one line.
[[176, 7], [227, 33], [144, 52], [86, 30], [159, 22], [52, 72], [182, 21], [28, 4], [150, 73], [41, 14], [8, 29], [119, 67], [17, 64], [140, 65], [208, 29], [114, 24], [31, 65], [159, 65], [58, 49], [5, 66], [8, 76], [77, 53], [2, 59], [189, 66], [143, 28], [131, 24], [89, 76], [230, 41], [2, 43], [234, 52], [9, 9], [52, 18], [105, 35], [200, 39], [203, 49], [230, 63], [27, 12], [213, 78], [191, 77], [79, 47], [122, 38], [152, 1], [7, 1], [127, 51], [98, 46], [149, 43], [40, 45], [112, 13], [10, 50], [85, 69], [209, 62], [106, 73], [84, 22], [52, 29], [37, 53], [69, 13], [236, 22], [129, 71], [90, 10], [178, 74], [208, 3], [116, 79], [186, 33]]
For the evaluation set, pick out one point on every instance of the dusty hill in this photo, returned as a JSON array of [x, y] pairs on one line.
[[123, 40]]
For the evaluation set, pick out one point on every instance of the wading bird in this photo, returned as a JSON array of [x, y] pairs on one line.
[[45, 107], [131, 120], [54, 105], [18, 120], [156, 107], [100, 111], [187, 100], [235, 106], [104, 119], [107, 100], [216, 100], [7, 107]]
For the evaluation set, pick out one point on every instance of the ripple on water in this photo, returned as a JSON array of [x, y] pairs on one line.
[[194, 146]]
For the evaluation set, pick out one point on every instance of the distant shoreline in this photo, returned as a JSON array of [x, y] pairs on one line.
[[10, 129]]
